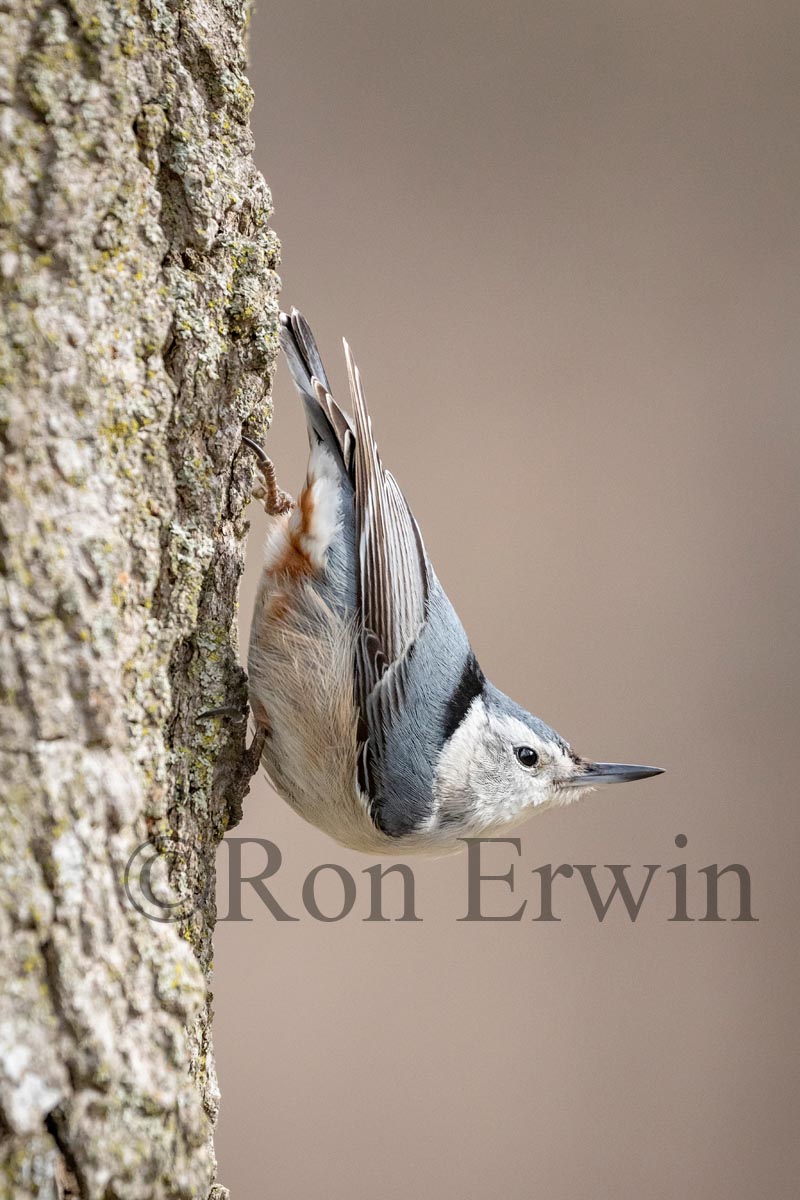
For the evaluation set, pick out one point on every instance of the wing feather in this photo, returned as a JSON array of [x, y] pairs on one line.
[[393, 566], [393, 579]]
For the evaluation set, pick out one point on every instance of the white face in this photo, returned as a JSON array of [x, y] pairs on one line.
[[496, 770]]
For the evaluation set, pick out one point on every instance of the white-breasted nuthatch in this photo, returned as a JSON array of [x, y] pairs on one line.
[[378, 725]]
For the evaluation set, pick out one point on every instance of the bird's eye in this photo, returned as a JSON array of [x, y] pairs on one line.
[[526, 756]]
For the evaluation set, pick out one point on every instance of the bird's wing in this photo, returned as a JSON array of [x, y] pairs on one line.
[[393, 572], [393, 582]]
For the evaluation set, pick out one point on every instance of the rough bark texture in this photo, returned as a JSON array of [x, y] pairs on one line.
[[139, 332]]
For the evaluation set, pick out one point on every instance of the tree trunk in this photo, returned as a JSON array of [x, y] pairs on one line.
[[139, 333]]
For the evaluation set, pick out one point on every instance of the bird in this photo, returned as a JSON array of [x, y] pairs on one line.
[[374, 720]]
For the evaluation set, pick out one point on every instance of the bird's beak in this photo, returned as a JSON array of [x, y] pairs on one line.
[[592, 774]]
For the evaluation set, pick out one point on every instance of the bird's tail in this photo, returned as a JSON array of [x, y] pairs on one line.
[[326, 421]]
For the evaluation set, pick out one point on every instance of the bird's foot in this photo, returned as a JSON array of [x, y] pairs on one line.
[[239, 767], [256, 748], [275, 500]]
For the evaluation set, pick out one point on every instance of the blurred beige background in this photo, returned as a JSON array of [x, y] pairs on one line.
[[562, 240]]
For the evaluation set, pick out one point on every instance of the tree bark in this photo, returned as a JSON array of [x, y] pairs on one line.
[[139, 331]]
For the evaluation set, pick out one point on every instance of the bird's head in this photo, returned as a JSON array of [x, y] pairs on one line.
[[502, 763]]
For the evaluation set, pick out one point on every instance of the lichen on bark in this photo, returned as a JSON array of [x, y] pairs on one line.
[[139, 331]]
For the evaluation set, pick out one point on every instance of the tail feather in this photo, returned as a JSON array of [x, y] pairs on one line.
[[326, 421], [304, 339]]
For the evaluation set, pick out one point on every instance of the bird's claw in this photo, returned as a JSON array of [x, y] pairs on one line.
[[275, 500], [226, 710]]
